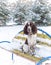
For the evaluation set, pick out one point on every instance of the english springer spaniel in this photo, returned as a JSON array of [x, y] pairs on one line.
[[30, 30]]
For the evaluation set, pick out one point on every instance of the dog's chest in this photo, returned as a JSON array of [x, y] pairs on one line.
[[31, 40]]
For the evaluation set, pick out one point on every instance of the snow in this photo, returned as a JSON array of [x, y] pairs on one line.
[[6, 34], [47, 29], [44, 50], [5, 57], [21, 61], [44, 40]]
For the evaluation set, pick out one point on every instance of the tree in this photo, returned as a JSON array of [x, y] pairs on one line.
[[19, 13], [22, 12], [41, 11], [37, 11], [4, 13]]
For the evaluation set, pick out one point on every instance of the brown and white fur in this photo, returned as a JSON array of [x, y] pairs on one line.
[[30, 30]]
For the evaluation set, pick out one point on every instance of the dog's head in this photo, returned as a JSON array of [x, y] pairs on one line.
[[30, 28]]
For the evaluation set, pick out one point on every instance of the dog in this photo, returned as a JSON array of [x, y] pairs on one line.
[[30, 30]]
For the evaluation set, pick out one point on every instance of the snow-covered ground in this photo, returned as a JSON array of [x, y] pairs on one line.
[[6, 59], [6, 34]]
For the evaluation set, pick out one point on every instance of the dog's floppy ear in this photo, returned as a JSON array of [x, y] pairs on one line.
[[25, 29], [34, 28]]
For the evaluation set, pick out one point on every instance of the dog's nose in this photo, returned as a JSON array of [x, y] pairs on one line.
[[28, 29]]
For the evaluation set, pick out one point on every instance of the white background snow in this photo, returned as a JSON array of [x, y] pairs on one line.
[[6, 34]]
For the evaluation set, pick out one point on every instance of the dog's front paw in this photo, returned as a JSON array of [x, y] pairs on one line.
[[25, 48]]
